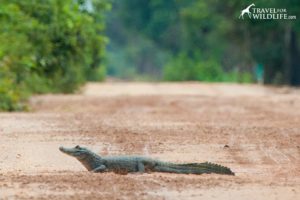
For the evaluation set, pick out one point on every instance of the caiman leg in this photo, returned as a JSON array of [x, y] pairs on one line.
[[101, 168], [141, 167]]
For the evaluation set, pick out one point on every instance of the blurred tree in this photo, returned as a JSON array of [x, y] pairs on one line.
[[211, 28], [215, 28], [144, 34], [49, 46]]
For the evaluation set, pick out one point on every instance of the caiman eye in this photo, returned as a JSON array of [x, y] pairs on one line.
[[77, 147]]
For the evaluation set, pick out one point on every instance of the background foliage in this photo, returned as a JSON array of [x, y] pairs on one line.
[[202, 40], [49, 46], [56, 46]]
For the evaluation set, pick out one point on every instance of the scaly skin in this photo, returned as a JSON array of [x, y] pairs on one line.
[[128, 164]]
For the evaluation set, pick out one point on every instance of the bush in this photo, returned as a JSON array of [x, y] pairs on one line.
[[12, 97], [180, 69], [184, 68], [209, 71], [48, 46]]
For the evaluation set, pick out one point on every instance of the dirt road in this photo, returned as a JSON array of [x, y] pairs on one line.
[[186, 122]]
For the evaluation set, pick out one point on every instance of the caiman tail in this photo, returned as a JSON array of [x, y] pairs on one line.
[[194, 168]]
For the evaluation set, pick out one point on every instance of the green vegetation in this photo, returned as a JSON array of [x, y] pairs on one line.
[[48, 46], [184, 68], [203, 40], [56, 46]]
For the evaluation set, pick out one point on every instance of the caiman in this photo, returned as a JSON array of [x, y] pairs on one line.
[[128, 164]]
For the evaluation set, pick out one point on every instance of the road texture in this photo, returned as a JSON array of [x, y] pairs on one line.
[[252, 129]]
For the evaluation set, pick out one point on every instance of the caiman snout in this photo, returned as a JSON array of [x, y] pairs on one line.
[[67, 151]]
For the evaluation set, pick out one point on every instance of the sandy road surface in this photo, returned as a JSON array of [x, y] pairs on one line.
[[186, 122]]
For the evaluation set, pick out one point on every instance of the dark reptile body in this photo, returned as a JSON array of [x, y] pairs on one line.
[[128, 164]]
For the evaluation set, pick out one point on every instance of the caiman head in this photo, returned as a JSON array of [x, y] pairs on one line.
[[89, 159], [78, 152]]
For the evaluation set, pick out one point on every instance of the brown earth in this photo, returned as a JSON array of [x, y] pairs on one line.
[[187, 122]]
